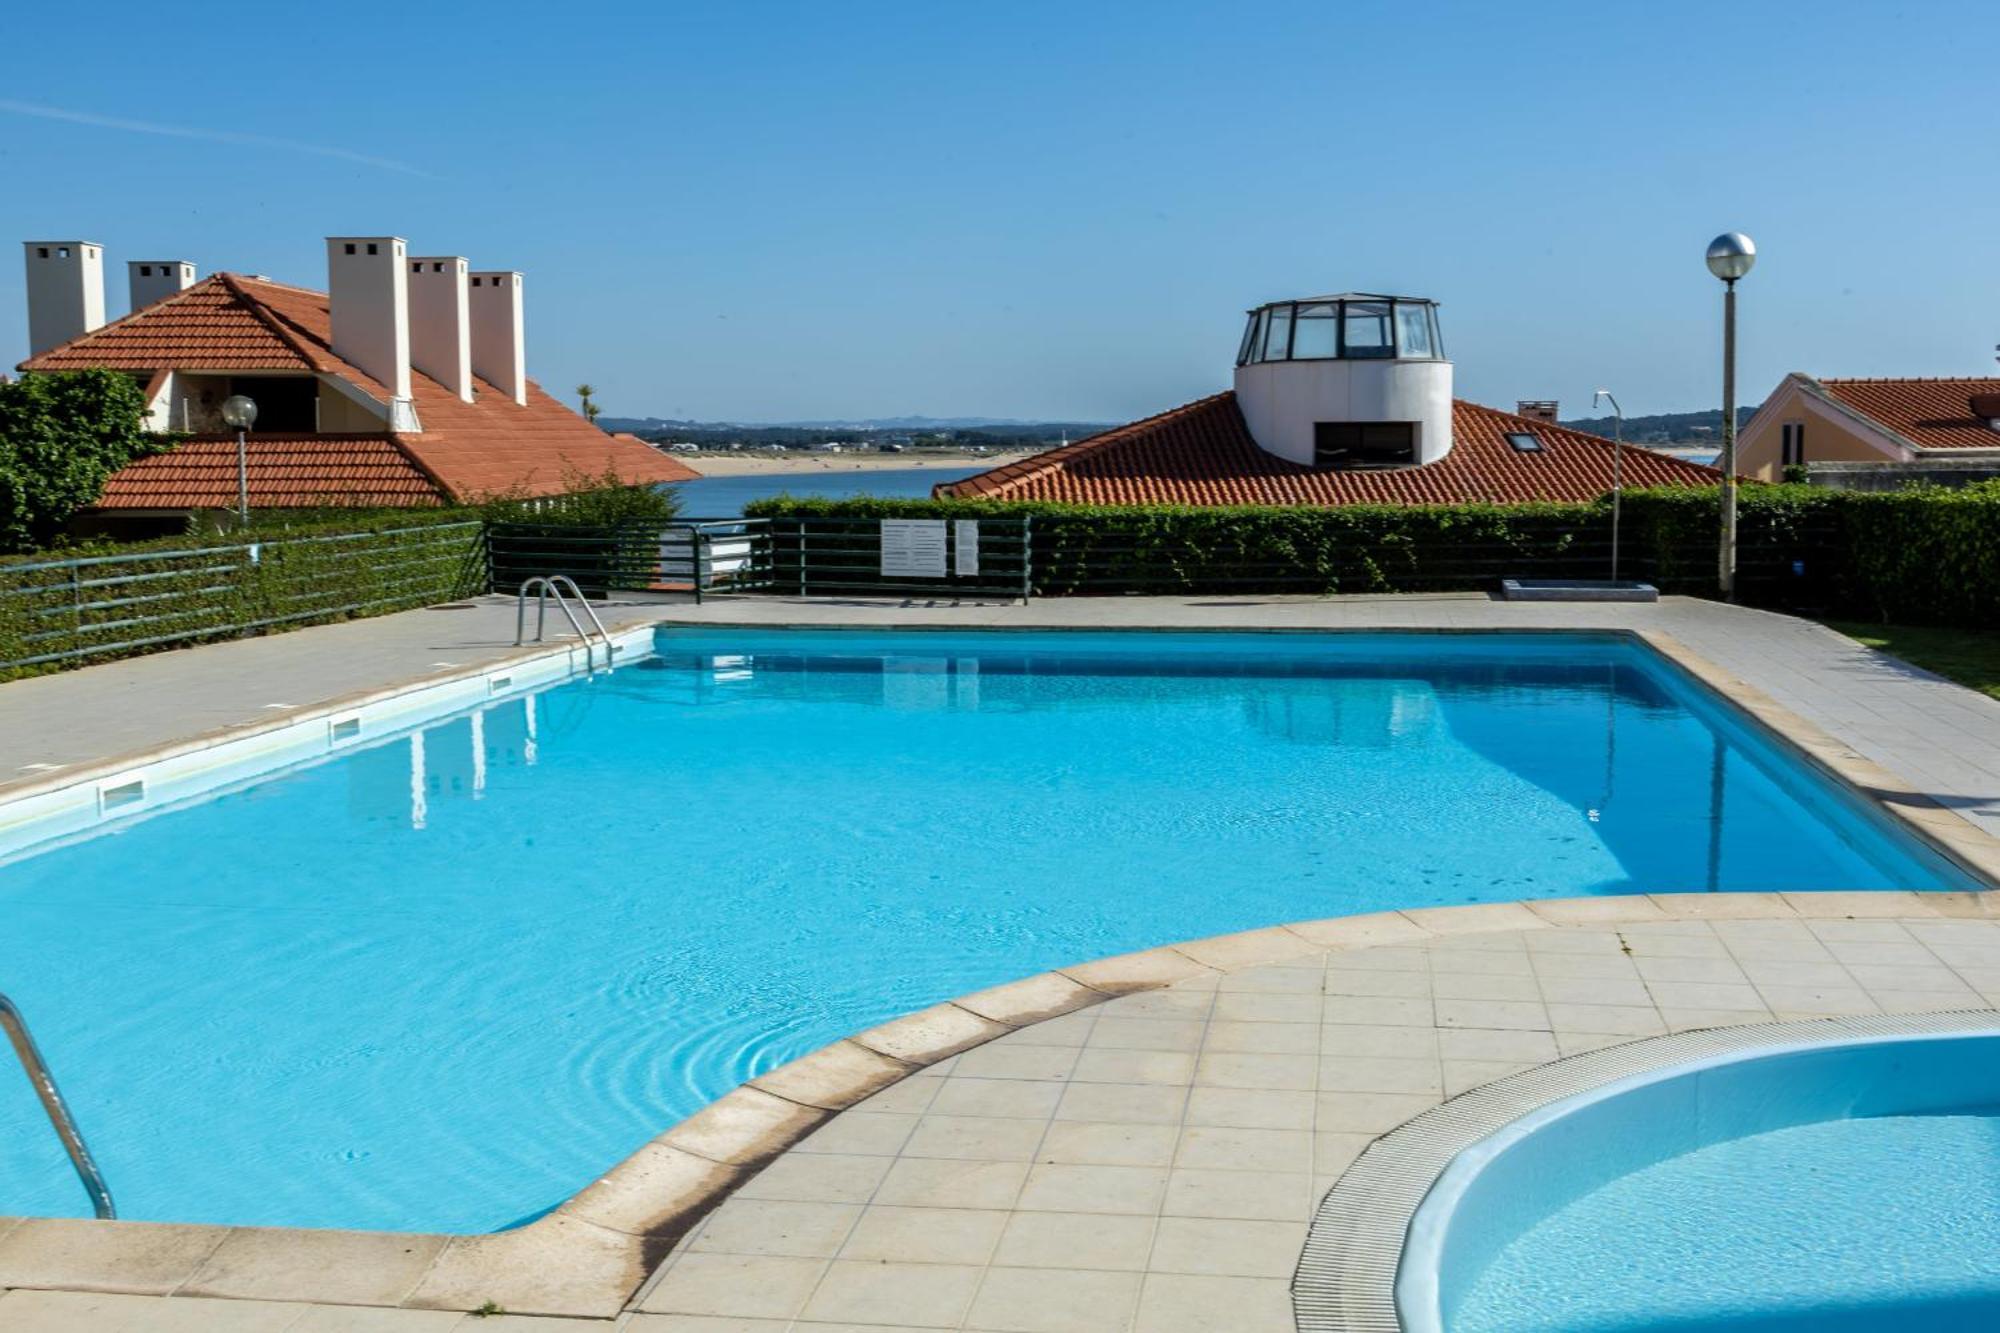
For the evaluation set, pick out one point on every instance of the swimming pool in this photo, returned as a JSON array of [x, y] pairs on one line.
[[442, 981], [1834, 1186]]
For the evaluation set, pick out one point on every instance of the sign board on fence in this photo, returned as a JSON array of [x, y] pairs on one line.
[[965, 536], [913, 548]]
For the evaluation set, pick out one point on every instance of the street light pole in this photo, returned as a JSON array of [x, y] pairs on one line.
[[1617, 468], [241, 412], [1730, 256]]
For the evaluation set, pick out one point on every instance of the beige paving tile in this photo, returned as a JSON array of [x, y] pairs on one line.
[[1229, 1247], [1826, 1001], [1066, 1030], [362, 1319], [1299, 976], [983, 1138], [867, 1133], [1596, 990], [1112, 1066], [1251, 1108], [1334, 1152], [1369, 1112], [1077, 1240], [1896, 977], [926, 1235], [135, 1257], [1613, 966], [1122, 1103], [1607, 1019], [695, 1323], [1497, 1044], [103, 1312], [751, 1286], [1227, 1069], [1003, 1098], [1146, 1034], [1486, 986], [1000, 1060], [1188, 1303], [1706, 968], [1212, 1147], [1378, 1010], [932, 1295], [947, 1183], [1378, 1073], [1409, 1043], [1035, 1300], [1786, 972], [1256, 1007], [1385, 958], [1276, 1196], [1578, 1043], [817, 1178], [338, 1267], [1492, 1014], [1170, 1003], [911, 1096], [1065, 1188], [1091, 1143], [1480, 962], [1262, 1038], [770, 1226], [1465, 1075], [1373, 981], [1703, 995]]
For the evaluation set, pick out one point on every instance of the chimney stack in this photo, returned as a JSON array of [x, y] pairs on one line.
[[1536, 409], [368, 291], [65, 292], [499, 353], [441, 322], [153, 280]]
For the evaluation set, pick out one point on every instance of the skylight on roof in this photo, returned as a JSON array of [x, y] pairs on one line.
[[1525, 441]]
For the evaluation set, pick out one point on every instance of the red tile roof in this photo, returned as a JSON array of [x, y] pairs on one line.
[[285, 472], [466, 451], [1203, 454], [1929, 413]]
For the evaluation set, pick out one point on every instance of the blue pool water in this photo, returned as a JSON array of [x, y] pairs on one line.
[[440, 985], [1836, 1191]]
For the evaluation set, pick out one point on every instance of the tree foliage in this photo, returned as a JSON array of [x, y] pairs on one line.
[[61, 438]]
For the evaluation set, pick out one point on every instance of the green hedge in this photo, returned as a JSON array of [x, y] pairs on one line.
[[1917, 556], [102, 601]]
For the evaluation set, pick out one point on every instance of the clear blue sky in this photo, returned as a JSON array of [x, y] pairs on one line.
[[761, 211]]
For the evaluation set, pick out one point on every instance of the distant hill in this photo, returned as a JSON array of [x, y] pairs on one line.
[[1667, 427], [638, 425], [909, 432]]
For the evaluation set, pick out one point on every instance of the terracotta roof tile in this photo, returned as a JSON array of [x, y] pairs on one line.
[[1929, 413], [467, 451], [1203, 454], [285, 472]]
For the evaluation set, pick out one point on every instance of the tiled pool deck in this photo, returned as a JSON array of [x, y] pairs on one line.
[[1147, 1160]]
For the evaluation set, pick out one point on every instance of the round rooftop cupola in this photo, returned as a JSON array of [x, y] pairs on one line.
[[1352, 381]]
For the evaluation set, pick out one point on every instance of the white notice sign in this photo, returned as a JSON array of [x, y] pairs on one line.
[[965, 535], [913, 548]]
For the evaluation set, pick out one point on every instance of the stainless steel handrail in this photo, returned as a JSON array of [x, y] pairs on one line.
[[37, 1070], [551, 585]]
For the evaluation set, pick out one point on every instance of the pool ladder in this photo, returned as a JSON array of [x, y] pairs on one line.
[[552, 585], [58, 1110]]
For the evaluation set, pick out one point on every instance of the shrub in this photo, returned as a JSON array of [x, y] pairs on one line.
[[61, 438]]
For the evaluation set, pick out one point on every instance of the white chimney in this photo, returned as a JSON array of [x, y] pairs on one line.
[[153, 280], [441, 322], [369, 296], [499, 352], [65, 292]]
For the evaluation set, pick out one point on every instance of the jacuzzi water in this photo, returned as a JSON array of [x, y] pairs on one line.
[[1836, 1190], [441, 985]]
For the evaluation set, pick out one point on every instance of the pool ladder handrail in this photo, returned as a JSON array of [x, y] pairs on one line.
[[545, 586], [38, 1073]]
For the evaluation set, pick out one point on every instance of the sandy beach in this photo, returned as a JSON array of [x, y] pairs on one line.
[[754, 465]]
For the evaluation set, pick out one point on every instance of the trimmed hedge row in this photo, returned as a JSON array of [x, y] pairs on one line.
[[1916, 556], [99, 602]]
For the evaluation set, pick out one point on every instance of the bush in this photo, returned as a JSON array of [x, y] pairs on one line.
[[61, 438]]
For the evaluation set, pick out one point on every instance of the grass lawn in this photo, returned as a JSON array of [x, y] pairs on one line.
[[1970, 657]]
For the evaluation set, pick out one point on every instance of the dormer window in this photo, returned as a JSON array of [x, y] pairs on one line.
[[1353, 327], [1525, 441]]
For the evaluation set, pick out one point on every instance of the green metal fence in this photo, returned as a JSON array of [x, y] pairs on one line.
[[88, 608]]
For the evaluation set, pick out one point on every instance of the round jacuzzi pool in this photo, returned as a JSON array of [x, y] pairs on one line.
[[1836, 1186]]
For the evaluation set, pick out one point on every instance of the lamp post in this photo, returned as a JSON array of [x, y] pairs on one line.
[[1617, 467], [241, 413], [1730, 256]]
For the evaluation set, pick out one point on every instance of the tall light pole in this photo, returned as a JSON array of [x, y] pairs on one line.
[[241, 412], [1617, 467], [1730, 256]]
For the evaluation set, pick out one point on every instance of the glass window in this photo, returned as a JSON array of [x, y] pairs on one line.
[[1413, 331], [1249, 346], [1343, 445], [1367, 331], [1278, 334], [1437, 338], [1524, 442], [1316, 336]]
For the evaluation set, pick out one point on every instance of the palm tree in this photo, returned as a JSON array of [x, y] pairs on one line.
[[590, 409]]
